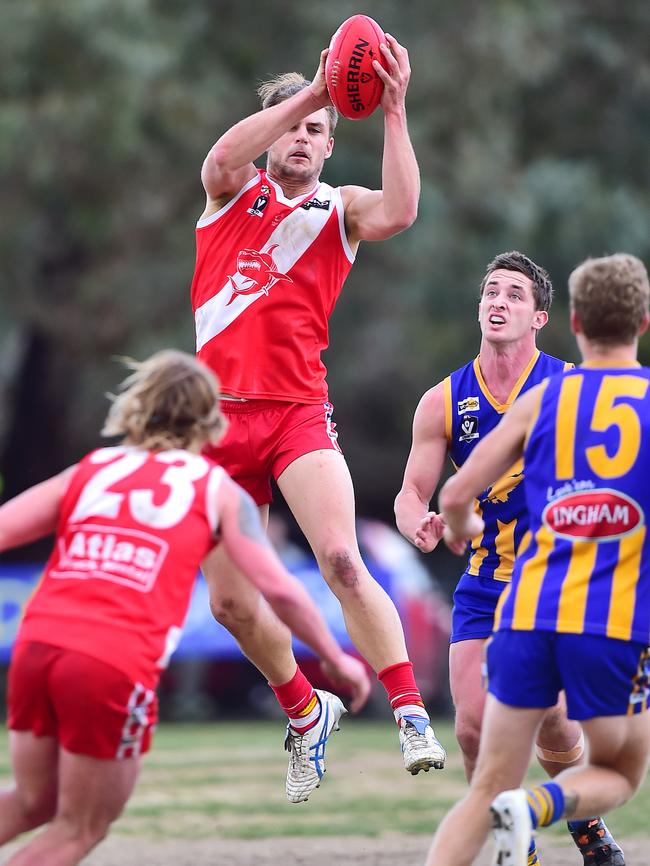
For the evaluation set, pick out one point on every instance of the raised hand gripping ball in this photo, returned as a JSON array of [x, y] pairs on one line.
[[353, 85]]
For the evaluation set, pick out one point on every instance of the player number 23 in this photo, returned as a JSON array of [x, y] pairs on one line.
[[97, 500]]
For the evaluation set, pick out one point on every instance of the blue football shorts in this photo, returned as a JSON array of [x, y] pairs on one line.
[[601, 676], [475, 600]]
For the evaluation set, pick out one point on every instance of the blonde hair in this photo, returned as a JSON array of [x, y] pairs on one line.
[[287, 84], [170, 400], [610, 298]]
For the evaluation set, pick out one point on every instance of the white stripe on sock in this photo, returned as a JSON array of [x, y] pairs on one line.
[[307, 721]]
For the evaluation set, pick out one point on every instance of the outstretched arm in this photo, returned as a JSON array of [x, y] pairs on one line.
[[493, 456], [422, 527], [229, 164], [249, 549], [33, 514], [374, 215]]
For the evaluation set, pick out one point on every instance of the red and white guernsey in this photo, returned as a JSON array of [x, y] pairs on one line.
[[133, 528], [269, 271]]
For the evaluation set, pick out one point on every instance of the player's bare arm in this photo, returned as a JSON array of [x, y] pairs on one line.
[[33, 514], [374, 215], [248, 547], [491, 458], [229, 163], [422, 527]]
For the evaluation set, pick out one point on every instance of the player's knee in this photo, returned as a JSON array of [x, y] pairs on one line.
[[87, 829], [95, 832], [559, 736], [231, 614], [77, 835], [560, 752], [468, 734], [221, 610], [38, 809], [340, 568]]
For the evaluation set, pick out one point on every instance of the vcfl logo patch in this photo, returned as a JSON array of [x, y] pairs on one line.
[[468, 428], [258, 206]]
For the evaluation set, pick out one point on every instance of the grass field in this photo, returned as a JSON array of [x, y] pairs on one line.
[[226, 781]]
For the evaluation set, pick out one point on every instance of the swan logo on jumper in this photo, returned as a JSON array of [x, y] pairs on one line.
[[256, 273], [595, 515]]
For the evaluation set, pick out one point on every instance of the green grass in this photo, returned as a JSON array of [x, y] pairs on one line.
[[227, 780]]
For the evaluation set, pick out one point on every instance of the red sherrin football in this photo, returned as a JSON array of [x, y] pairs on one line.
[[353, 85]]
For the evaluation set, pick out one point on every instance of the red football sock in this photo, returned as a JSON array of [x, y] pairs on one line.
[[403, 693], [299, 701]]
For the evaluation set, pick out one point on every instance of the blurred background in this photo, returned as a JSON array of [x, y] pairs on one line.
[[531, 123]]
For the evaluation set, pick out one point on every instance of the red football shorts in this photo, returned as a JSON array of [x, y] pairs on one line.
[[89, 706], [265, 436]]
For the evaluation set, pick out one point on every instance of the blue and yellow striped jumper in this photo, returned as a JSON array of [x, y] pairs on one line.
[[584, 565], [471, 412]]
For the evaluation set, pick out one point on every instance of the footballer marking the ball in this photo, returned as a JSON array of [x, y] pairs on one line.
[[352, 83]]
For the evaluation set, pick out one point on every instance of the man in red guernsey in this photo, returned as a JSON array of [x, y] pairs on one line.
[[132, 523], [274, 247]]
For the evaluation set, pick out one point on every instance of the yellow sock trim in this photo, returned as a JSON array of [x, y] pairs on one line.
[[310, 706]]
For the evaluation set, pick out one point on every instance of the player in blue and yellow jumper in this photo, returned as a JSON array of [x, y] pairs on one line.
[[451, 419], [577, 613]]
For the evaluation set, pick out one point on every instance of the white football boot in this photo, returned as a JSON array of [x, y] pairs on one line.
[[307, 751], [512, 828], [420, 746]]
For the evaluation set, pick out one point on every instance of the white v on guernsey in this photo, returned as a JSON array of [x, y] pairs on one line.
[[269, 271]]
